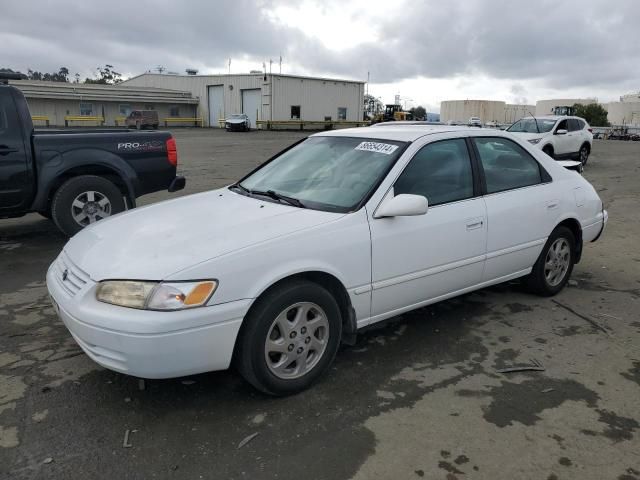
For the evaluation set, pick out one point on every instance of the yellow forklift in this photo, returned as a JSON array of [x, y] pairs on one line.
[[392, 112]]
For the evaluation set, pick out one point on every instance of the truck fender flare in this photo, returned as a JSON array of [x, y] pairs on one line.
[[82, 162]]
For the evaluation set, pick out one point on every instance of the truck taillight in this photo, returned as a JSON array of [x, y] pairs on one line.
[[172, 151]]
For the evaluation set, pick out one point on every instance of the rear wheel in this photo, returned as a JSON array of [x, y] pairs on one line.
[[553, 268], [84, 200], [584, 154], [290, 337]]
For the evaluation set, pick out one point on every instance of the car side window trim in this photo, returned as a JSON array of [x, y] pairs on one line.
[[545, 177], [474, 172]]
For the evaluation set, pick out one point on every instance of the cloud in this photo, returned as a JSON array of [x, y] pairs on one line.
[[533, 46]]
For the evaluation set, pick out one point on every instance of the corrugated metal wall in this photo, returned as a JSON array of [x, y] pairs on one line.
[[317, 98]]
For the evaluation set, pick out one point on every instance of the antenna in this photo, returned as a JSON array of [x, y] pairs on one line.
[[535, 120]]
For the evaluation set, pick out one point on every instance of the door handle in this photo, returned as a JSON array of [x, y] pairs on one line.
[[474, 223], [4, 150]]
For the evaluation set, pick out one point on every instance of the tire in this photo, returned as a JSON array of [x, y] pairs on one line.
[[541, 279], [155, 126], [138, 126], [583, 154], [262, 351], [107, 200], [548, 149]]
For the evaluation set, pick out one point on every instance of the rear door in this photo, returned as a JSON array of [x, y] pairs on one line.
[[521, 206], [575, 135], [16, 185]]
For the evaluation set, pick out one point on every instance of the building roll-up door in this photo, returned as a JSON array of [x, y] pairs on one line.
[[216, 104], [251, 104]]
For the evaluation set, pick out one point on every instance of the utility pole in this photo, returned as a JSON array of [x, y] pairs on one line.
[[270, 63], [229, 65], [280, 63]]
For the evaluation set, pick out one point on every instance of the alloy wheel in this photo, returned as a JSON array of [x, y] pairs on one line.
[[557, 261], [89, 207], [296, 340]]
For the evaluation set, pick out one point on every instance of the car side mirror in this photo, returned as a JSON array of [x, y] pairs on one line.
[[403, 205], [561, 131]]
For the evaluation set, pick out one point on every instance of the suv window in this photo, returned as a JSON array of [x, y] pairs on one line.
[[506, 164], [574, 125], [440, 171], [562, 126]]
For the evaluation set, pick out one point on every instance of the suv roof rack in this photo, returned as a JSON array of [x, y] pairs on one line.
[[6, 76]]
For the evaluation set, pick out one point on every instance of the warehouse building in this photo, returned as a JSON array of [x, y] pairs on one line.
[[459, 111], [274, 97], [78, 104]]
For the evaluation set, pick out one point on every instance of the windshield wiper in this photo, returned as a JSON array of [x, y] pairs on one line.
[[271, 194], [278, 196]]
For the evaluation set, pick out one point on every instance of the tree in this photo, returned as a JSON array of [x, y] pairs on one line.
[[106, 76], [418, 112], [594, 113], [372, 106]]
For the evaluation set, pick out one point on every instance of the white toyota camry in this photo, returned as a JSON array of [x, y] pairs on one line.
[[339, 231]]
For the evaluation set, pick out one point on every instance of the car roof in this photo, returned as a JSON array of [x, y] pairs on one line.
[[408, 133]]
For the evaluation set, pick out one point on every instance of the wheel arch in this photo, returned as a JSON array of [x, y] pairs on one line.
[[576, 228], [333, 285], [111, 174]]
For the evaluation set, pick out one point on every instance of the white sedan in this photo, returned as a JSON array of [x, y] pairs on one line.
[[342, 230]]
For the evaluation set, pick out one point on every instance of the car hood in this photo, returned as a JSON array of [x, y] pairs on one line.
[[153, 242], [235, 120]]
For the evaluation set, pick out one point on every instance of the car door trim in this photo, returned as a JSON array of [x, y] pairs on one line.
[[408, 277], [516, 248]]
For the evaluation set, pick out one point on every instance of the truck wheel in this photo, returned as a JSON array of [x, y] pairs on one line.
[[84, 200], [289, 338]]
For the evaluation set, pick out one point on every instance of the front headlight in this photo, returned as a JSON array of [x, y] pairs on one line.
[[534, 141], [155, 295]]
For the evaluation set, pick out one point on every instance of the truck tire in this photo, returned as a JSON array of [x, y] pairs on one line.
[[84, 200]]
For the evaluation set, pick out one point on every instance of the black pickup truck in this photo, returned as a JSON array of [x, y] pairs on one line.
[[77, 177]]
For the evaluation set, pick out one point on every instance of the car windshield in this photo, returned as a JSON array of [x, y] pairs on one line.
[[237, 116], [327, 173], [528, 125]]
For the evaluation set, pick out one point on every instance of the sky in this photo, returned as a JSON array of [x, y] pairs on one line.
[[426, 51]]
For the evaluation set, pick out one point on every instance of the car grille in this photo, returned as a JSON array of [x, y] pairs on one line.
[[74, 279]]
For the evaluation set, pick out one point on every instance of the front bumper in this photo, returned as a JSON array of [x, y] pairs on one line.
[[148, 344]]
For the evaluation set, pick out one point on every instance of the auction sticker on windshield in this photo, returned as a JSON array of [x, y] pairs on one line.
[[377, 147]]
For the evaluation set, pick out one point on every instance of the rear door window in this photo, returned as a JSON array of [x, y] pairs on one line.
[[506, 164]]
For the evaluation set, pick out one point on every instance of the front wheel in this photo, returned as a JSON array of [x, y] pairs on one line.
[[289, 338], [84, 200], [553, 268]]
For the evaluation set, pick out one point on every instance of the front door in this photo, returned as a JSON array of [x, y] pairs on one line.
[[423, 258], [562, 142], [15, 166]]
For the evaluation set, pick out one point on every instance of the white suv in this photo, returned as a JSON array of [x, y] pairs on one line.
[[560, 137]]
